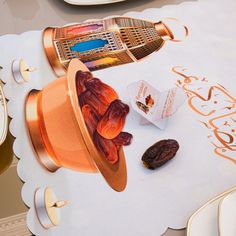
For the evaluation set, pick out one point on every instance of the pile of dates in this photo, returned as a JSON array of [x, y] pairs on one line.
[[104, 115]]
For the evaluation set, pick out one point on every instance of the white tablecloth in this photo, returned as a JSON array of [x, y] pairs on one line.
[[153, 200]]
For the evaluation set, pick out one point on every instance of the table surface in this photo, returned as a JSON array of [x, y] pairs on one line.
[[25, 15]]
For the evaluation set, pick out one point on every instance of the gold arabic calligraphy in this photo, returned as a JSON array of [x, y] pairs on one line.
[[216, 107]]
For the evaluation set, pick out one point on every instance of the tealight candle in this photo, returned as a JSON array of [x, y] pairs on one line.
[[48, 207], [21, 71]]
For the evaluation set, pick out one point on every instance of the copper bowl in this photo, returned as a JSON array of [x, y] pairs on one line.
[[59, 134]]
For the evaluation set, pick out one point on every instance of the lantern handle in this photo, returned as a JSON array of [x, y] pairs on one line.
[[184, 26]]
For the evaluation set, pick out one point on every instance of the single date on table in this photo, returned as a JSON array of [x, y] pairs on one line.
[[160, 153]]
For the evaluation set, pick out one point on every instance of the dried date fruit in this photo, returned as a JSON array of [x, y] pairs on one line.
[[160, 153], [91, 118], [103, 92], [123, 139], [113, 120], [106, 147], [81, 77], [87, 97]]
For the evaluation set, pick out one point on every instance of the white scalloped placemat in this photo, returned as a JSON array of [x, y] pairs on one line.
[[153, 200]]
